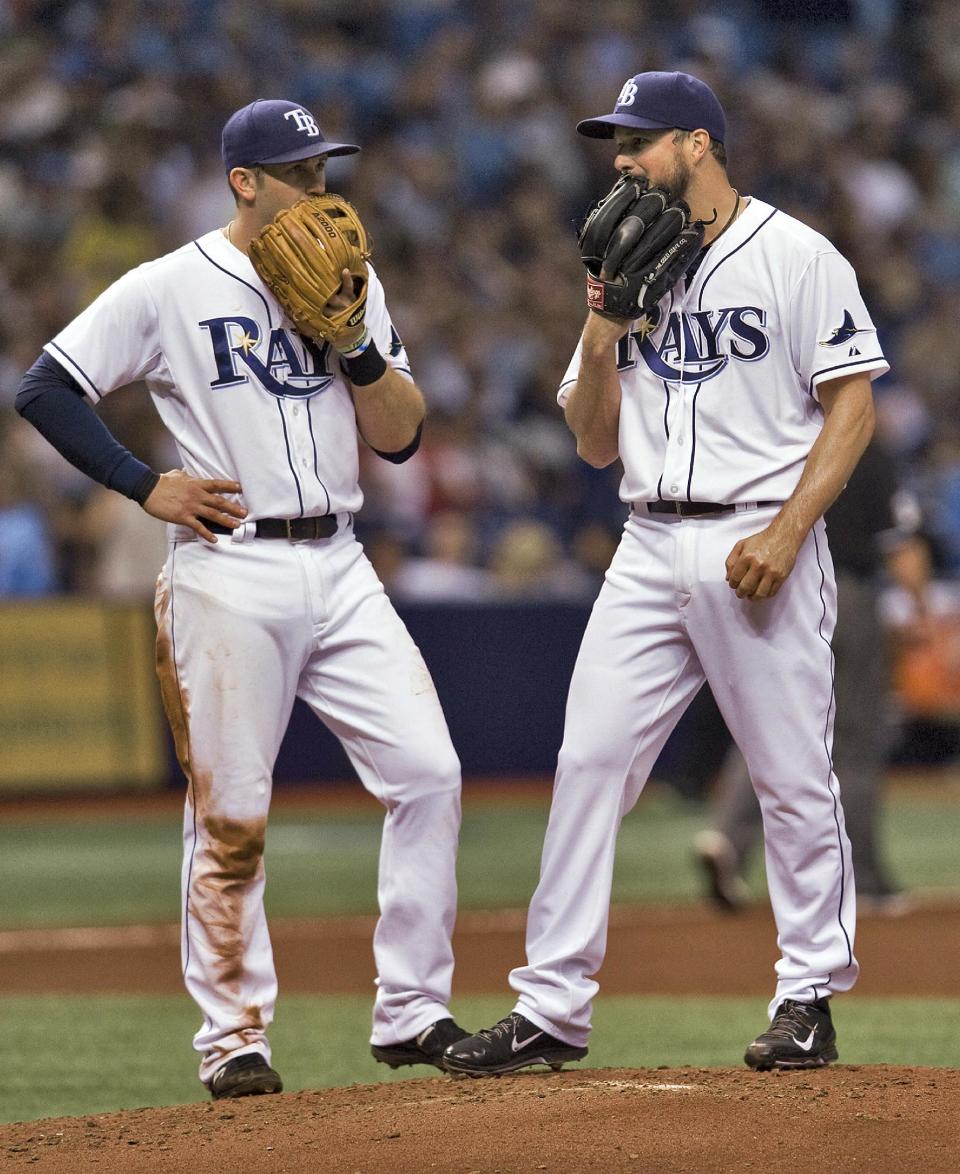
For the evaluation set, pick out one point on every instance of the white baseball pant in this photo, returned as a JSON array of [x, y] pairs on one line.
[[666, 620], [243, 629]]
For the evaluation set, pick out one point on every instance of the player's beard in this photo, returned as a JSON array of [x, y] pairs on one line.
[[677, 183]]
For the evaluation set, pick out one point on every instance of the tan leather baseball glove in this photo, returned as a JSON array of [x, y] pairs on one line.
[[301, 256]]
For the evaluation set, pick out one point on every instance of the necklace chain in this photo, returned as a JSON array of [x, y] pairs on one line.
[[730, 218]]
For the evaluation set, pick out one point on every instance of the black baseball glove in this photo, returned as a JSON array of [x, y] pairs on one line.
[[636, 244]]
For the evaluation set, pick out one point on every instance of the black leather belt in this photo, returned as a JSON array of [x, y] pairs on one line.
[[692, 509], [294, 529]]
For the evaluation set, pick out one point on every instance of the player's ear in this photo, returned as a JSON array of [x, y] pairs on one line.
[[699, 141], [243, 183]]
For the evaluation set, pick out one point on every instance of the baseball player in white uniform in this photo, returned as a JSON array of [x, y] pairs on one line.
[[267, 596], [739, 407]]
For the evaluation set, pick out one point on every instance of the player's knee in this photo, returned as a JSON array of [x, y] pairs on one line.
[[436, 772], [427, 785], [233, 847], [593, 757]]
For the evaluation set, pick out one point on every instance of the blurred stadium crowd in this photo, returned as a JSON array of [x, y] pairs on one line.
[[472, 179]]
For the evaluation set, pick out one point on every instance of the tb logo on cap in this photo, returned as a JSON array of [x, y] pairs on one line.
[[305, 121], [627, 94]]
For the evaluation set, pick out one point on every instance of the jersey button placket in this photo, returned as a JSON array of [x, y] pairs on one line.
[[301, 448], [674, 466], [673, 457], [680, 470]]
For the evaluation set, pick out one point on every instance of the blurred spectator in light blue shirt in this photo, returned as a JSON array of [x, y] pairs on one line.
[[27, 565]]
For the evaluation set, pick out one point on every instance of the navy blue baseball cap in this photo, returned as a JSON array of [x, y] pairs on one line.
[[661, 101], [271, 130]]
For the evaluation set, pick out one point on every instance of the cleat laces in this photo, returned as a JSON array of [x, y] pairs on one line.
[[792, 1017], [507, 1026]]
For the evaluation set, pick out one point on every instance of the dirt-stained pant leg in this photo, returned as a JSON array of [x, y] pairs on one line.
[[244, 628], [232, 634], [367, 681]]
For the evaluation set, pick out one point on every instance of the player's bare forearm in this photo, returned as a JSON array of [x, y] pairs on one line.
[[389, 411], [190, 501], [848, 426], [758, 566], [592, 410]]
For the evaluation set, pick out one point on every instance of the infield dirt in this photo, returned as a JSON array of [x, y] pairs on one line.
[[878, 1120], [699, 1121], [655, 1121]]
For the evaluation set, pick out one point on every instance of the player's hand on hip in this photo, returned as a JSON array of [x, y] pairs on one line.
[[190, 501], [758, 566]]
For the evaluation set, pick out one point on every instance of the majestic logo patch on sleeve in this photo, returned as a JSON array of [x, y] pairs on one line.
[[844, 332]]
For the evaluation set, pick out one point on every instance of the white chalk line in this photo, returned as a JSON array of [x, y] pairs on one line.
[[18, 941], [580, 1087], [478, 921], [29, 941], [471, 921]]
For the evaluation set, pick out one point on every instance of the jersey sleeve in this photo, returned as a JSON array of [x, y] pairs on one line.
[[832, 333], [114, 341], [570, 376], [382, 329]]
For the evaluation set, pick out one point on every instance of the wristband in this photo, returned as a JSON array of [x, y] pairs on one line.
[[358, 347], [366, 367], [144, 487]]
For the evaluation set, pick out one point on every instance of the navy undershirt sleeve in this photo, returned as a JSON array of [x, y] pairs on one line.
[[53, 402]]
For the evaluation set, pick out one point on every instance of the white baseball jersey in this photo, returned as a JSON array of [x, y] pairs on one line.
[[244, 395], [720, 393]]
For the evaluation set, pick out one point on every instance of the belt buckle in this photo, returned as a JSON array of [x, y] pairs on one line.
[[287, 524], [682, 510]]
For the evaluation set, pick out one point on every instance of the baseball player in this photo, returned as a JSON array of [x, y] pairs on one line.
[[267, 596], [739, 405]]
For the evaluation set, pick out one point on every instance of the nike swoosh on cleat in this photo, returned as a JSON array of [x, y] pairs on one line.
[[805, 1044], [517, 1044]]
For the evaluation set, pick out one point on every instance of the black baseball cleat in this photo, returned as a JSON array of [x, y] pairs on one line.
[[800, 1036], [248, 1075], [426, 1048], [512, 1043]]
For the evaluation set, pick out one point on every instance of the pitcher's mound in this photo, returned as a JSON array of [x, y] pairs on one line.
[[697, 1120]]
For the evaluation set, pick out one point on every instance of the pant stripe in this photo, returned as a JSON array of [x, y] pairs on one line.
[[826, 746]]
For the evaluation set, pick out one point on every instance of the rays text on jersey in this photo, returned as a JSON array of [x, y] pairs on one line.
[[695, 346], [287, 364]]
